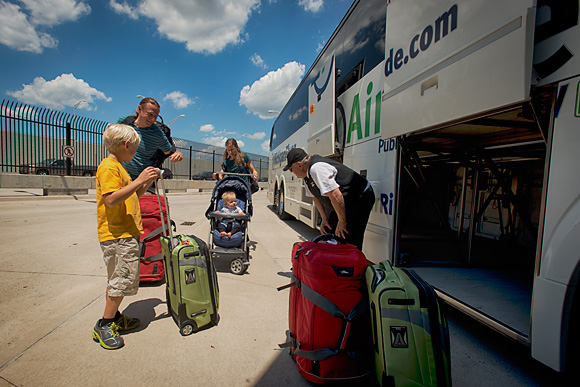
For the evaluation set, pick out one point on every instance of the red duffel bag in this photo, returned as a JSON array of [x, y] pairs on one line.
[[329, 318], [151, 266]]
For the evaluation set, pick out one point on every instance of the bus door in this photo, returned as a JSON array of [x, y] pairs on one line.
[[557, 276], [557, 58], [448, 60], [321, 110]]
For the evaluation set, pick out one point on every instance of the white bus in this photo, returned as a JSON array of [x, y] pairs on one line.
[[465, 118]]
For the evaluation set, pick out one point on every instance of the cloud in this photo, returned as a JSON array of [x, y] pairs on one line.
[[124, 9], [18, 33], [255, 136], [258, 61], [265, 146], [179, 99], [64, 90], [311, 5], [219, 141], [214, 140], [272, 91], [53, 12], [204, 26], [19, 26], [207, 128]]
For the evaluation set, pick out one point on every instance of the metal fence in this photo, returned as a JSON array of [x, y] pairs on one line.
[[31, 138]]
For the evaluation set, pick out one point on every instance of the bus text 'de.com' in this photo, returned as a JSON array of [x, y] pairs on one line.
[[444, 25]]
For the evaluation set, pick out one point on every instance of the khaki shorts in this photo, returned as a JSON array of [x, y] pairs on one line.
[[122, 259]]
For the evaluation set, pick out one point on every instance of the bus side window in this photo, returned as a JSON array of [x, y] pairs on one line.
[[351, 78]]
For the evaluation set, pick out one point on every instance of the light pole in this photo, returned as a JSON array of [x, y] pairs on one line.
[[77, 105], [179, 116], [140, 96]]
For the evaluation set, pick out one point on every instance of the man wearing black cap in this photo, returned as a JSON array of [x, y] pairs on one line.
[[343, 198]]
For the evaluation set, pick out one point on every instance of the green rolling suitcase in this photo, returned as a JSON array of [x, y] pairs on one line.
[[191, 290], [410, 332]]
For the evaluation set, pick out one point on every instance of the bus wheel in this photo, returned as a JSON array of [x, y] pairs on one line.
[[280, 205]]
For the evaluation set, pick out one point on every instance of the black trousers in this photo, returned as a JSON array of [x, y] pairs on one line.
[[358, 212]]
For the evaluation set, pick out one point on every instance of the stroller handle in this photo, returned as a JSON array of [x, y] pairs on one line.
[[235, 174]]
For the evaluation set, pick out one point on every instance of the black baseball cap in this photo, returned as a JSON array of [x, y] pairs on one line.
[[293, 156]]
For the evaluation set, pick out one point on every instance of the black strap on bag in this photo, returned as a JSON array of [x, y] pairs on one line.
[[151, 235], [329, 307]]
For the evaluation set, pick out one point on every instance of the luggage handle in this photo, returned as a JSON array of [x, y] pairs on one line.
[[164, 226], [328, 237], [378, 276]]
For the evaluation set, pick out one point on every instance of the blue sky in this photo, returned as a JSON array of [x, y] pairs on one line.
[[221, 63]]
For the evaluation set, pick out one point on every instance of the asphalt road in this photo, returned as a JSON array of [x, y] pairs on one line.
[[52, 283]]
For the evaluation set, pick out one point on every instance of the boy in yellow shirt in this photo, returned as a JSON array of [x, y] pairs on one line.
[[119, 228]]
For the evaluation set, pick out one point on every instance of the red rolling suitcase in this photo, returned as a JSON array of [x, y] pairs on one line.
[[151, 267], [329, 316]]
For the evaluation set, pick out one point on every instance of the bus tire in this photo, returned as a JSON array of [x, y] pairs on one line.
[[283, 215]]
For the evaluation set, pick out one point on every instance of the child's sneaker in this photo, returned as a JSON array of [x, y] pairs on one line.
[[107, 336], [125, 323]]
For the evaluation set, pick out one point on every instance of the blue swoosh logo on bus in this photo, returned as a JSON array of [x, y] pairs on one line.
[[321, 90]]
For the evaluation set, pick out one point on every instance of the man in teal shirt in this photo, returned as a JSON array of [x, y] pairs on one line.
[[152, 139]]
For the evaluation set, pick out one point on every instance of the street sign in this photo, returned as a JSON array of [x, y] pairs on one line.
[[68, 151]]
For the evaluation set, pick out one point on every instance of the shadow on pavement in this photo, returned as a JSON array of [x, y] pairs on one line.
[[305, 232], [283, 372], [144, 310]]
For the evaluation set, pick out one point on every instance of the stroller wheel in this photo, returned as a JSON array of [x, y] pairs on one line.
[[237, 266]]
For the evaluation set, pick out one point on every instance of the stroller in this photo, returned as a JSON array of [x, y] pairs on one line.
[[234, 248]]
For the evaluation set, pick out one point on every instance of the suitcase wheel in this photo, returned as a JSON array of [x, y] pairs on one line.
[[238, 266], [187, 330]]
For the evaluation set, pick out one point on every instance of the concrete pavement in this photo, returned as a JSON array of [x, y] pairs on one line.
[[52, 281]]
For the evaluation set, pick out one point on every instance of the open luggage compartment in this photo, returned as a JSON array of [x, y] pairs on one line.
[[470, 209]]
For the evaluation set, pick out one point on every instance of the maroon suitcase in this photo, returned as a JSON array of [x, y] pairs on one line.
[[151, 267], [329, 319]]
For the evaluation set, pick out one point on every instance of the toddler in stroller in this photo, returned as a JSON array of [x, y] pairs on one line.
[[229, 212], [228, 228]]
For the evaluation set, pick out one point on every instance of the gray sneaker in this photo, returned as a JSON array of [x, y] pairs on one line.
[[107, 336]]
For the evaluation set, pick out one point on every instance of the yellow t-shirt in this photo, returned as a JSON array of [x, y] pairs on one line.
[[123, 220]]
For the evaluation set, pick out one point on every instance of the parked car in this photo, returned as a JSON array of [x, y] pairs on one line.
[[167, 173], [207, 175], [56, 167]]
